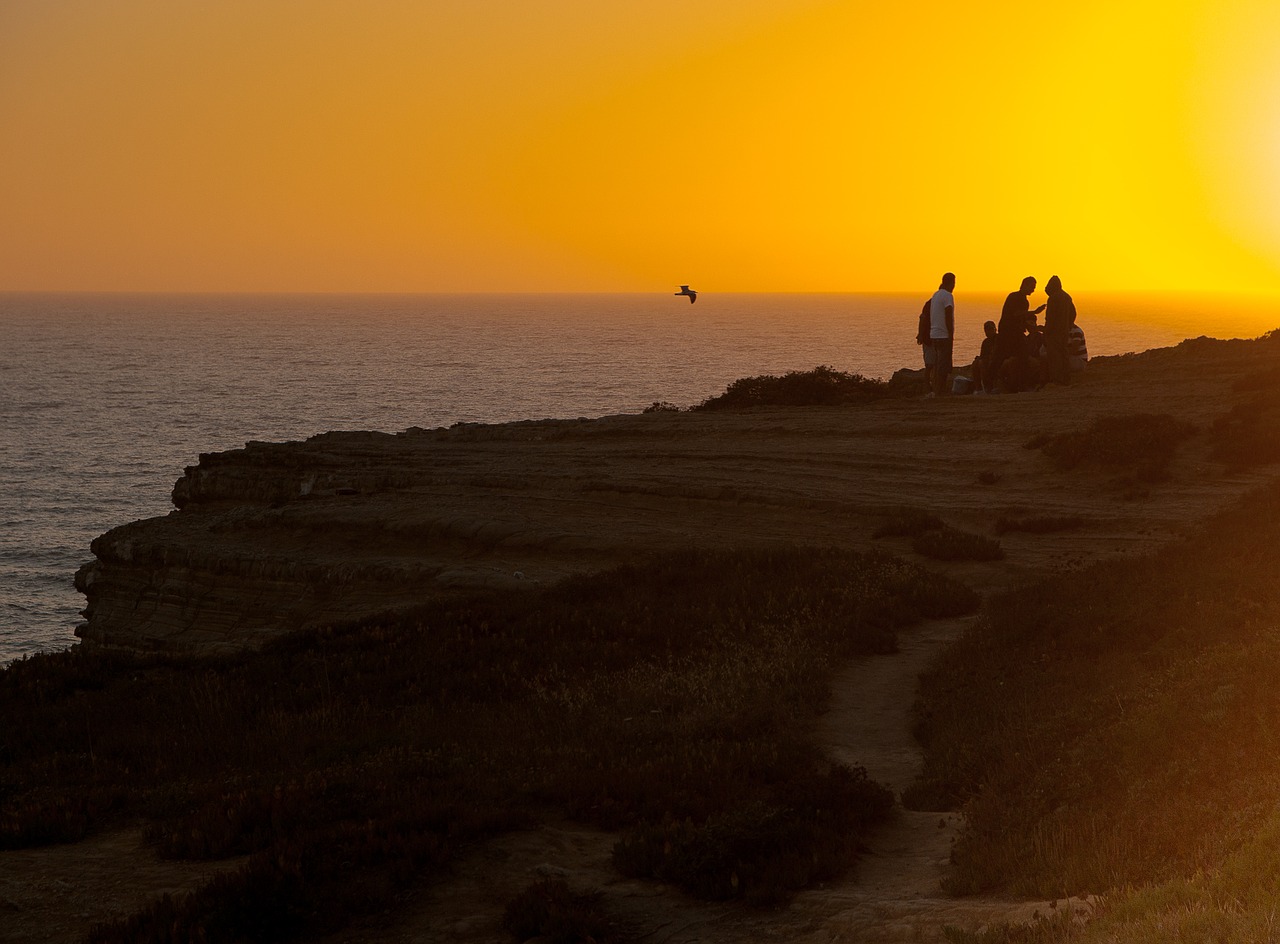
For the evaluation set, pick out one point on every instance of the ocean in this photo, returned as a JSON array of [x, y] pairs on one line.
[[104, 399]]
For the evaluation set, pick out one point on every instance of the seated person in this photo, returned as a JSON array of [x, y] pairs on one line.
[[1077, 352], [1037, 353], [984, 365]]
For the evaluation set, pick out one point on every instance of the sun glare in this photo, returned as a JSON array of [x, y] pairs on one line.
[[763, 146]]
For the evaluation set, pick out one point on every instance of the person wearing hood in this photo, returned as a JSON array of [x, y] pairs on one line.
[[1059, 318]]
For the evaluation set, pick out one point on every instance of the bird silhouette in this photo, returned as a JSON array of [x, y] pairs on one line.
[[685, 290]]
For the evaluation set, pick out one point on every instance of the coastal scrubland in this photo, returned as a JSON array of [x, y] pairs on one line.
[[1114, 731], [666, 701], [1110, 730]]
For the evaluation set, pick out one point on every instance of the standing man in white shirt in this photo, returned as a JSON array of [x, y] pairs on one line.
[[942, 333]]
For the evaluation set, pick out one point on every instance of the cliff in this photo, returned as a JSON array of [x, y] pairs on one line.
[[280, 536]]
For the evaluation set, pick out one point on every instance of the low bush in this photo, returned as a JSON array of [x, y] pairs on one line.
[[907, 522], [822, 386], [1248, 435], [1141, 443], [952, 544], [1038, 524], [552, 913], [807, 832]]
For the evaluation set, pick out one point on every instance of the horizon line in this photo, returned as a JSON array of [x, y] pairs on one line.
[[1162, 292]]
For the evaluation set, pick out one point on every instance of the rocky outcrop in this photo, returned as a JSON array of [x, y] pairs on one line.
[[282, 536]]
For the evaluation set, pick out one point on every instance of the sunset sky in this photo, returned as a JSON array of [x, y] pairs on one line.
[[577, 145]]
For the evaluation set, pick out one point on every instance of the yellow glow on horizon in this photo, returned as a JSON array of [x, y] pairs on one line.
[[754, 145]]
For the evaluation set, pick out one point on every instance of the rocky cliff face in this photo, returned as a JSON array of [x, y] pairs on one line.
[[276, 537]]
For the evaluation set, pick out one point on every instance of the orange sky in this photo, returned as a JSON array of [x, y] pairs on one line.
[[573, 145]]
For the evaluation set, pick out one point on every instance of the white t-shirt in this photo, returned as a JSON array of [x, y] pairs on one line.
[[942, 299]]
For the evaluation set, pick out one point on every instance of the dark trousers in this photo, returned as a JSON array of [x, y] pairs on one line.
[[1057, 361], [942, 367]]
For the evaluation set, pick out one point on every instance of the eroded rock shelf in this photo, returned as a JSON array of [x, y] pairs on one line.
[[279, 536]]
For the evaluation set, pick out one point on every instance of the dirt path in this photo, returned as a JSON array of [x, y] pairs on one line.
[[895, 895]]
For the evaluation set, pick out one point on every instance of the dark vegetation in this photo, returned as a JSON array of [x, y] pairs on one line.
[[664, 701], [661, 406], [1118, 725], [1140, 445], [952, 544], [807, 833], [1248, 435], [553, 913], [822, 386], [931, 537], [907, 523], [1038, 524]]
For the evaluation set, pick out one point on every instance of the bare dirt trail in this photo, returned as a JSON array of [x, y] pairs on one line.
[[897, 893]]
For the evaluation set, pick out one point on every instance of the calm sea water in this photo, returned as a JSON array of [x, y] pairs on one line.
[[105, 398]]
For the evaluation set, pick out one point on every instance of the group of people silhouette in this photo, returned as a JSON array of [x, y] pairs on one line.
[[1018, 354]]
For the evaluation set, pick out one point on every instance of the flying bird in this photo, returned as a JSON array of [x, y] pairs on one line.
[[685, 290]]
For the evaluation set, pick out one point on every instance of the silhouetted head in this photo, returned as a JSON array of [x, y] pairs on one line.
[[1028, 285], [948, 282], [989, 327], [1031, 319], [1053, 285]]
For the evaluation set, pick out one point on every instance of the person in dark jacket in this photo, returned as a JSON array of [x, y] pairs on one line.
[[1011, 338], [984, 373], [1059, 318]]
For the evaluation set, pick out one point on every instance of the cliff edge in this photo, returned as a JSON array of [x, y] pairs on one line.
[[282, 536]]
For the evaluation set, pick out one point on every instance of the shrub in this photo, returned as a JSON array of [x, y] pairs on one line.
[[549, 911], [822, 386], [907, 522], [1248, 435], [763, 851], [661, 406], [952, 544], [1143, 443], [1039, 524]]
